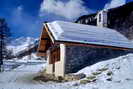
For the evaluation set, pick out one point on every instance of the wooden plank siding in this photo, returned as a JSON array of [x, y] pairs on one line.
[[44, 43]]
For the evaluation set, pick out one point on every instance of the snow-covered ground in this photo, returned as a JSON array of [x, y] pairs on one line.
[[121, 77], [120, 69], [21, 77]]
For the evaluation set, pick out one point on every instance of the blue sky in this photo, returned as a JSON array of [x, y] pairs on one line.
[[25, 17]]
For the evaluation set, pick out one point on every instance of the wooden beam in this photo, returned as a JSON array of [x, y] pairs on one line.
[[44, 38], [90, 45], [42, 43], [42, 51], [49, 33], [41, 54]]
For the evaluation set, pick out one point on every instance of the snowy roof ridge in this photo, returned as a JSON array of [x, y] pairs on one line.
[[73, 32], [55, 25]]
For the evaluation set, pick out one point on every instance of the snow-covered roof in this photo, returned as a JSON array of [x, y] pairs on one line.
[[87, 34]]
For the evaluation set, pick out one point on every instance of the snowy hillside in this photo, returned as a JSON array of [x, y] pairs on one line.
[[116, 73], [22, 40], [21, 44], [111, 74]]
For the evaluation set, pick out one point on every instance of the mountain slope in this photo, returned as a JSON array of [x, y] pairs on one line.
[[23, 46]]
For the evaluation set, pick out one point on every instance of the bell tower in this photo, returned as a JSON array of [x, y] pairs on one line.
[[102, 18]]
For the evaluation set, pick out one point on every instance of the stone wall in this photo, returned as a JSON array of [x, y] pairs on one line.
[[78, 57]]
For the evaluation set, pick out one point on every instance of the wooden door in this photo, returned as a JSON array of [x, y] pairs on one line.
[[55, 55]]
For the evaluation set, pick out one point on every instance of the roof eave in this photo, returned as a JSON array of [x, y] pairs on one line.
[[91, 45]]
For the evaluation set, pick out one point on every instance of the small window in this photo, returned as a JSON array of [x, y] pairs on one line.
[[99, 17]]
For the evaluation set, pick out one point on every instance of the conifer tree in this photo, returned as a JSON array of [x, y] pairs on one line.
[[4, 39]]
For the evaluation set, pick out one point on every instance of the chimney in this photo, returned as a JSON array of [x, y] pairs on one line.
[[102, 18]]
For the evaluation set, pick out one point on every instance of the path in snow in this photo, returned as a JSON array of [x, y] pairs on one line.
[[22, 78], [22, 74]]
